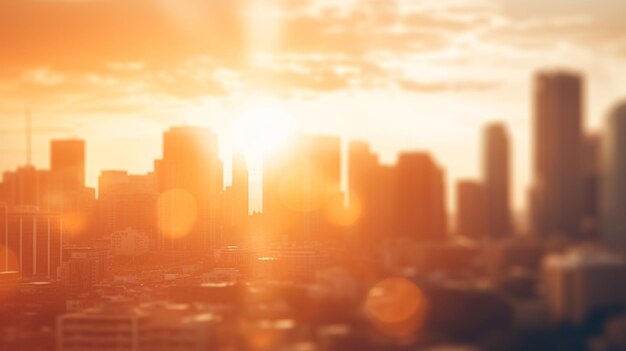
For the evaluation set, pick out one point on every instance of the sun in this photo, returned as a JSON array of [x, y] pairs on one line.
[[262, 130]]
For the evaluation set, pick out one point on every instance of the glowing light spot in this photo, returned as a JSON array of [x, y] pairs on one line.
[[396, 307], [343, 215], [177, 212], [74, 222], [262, 130], [302, 189]]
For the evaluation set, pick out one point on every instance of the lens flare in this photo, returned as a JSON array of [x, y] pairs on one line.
[[303, 189], [396, 307], [177, 213], [342, 215]]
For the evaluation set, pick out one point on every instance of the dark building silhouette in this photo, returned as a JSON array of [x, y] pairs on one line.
[[613, 200], [497, 178], [300, 183], [471, 210], [189, 182], [557, 188], [591, 185], [31, 242], [420, 191]]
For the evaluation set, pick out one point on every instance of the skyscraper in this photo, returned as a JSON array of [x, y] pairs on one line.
[[362, 164], [556, 194], [420, 194], [32, 243], [591, 185], [235, 203], [613, 205], [496, 177], [68, 194], [67, 162], [471, 212], [299, 182], [190, 180]]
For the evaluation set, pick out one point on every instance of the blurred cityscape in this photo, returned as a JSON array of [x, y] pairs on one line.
[[175, 260]]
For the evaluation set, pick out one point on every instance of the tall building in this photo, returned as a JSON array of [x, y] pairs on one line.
[[236, 203], [189, 182], [372, 192], [497, 177], [557, 188], [362, 165], [591, 185], [67, 161], [613, 203], [26, 186], [68, 194], [471, 211], [299, 184], [420, 191], [32, 243]]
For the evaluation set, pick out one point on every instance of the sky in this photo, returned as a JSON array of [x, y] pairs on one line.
[[401, 74]]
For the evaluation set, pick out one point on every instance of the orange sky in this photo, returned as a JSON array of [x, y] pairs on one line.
[[405, 74]]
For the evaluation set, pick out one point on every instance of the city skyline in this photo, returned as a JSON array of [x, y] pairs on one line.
[[501, 43], [312, 175]]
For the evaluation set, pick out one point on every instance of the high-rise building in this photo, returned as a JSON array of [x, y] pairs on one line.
[[372, 195], [68, 194], [362, 166], [32, 243], [591, 185], [471, 211], [67, 161], [190, 181], [613, 203], [235, 203], [420, 191], [299, 184], [496, 177], [557, 188]]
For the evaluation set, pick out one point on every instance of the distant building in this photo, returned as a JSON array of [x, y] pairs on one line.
[[420, 190], [614, 180], [126, 200], [497, 180], [129, 242], [147, 328], [583, 281], [31, 243], [300, 183], [471, 211], [83, 267], [558, 115], [67, 162], [372, 192], [591, 186], [189, 181], [235, 204]]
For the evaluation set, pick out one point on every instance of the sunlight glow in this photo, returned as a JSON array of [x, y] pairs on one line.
[[262, 130]]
